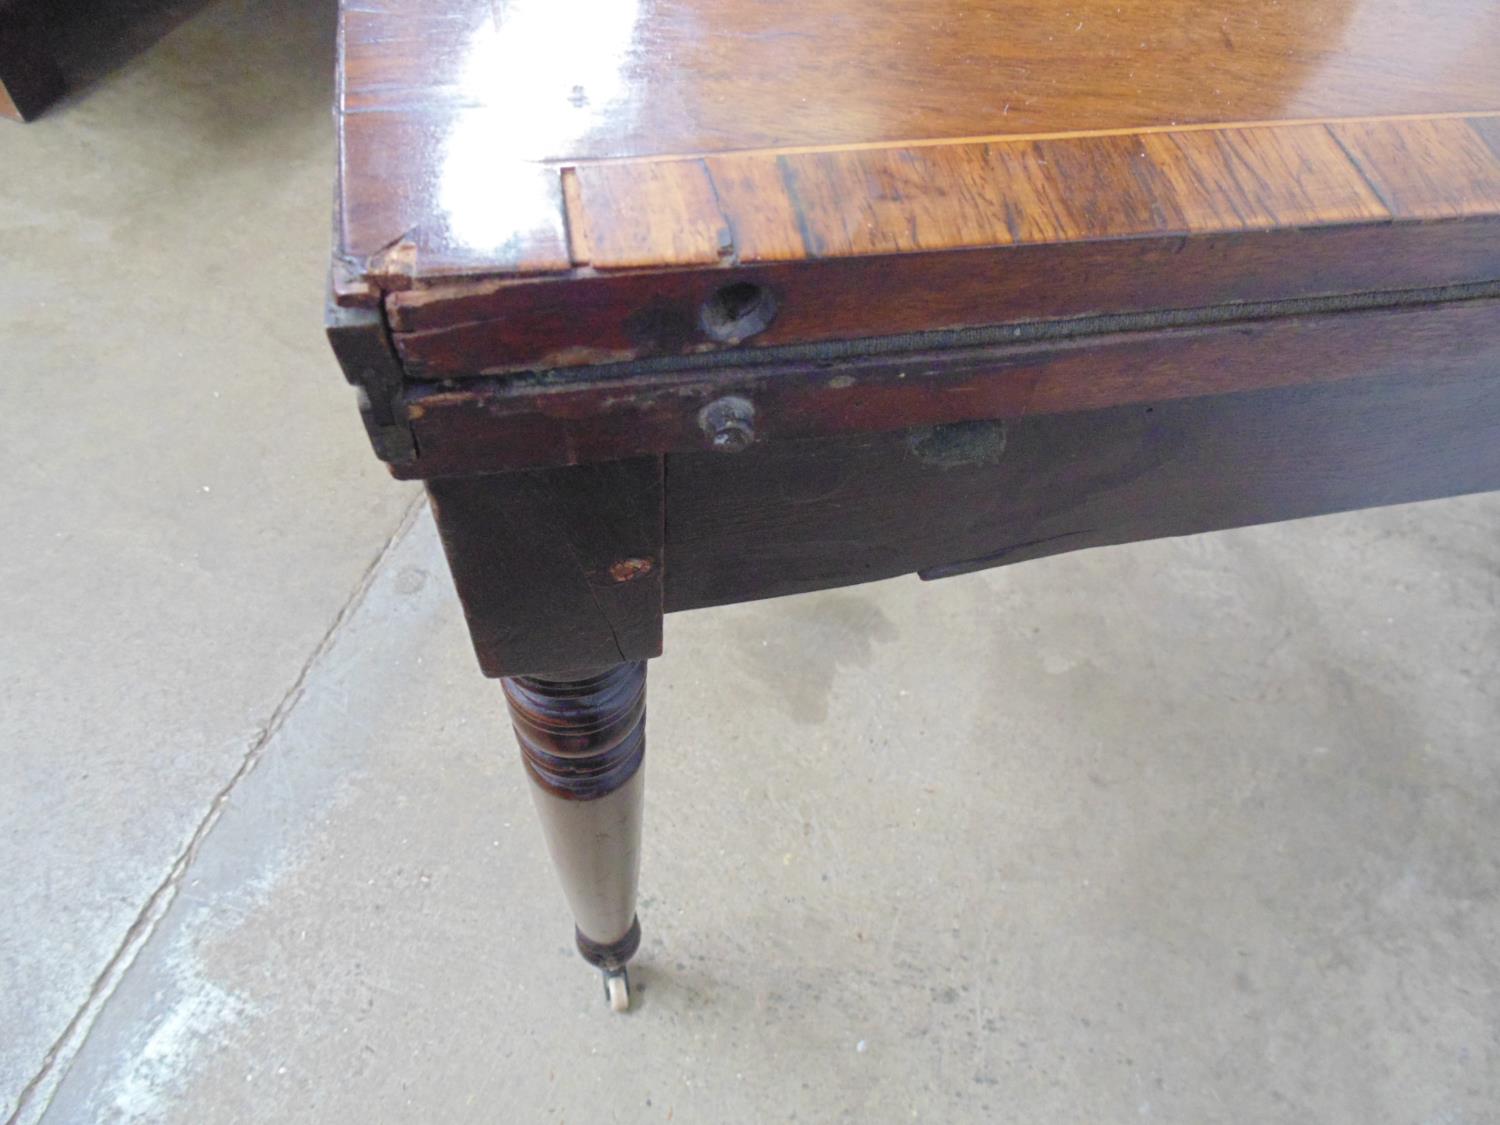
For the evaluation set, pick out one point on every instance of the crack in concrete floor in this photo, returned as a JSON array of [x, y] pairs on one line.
[[33, 1101]]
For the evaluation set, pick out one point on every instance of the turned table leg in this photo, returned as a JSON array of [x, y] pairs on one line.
[[583, 740], [560, 575]]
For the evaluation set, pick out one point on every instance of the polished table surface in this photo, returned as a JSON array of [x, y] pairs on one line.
[[486, 103], [459, 118], [572, 225], [675, 303], [559, 184]]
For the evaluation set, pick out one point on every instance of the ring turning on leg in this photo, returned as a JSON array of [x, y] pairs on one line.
[[583, 741]]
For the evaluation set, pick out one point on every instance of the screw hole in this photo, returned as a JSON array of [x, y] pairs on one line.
[[737, 312]]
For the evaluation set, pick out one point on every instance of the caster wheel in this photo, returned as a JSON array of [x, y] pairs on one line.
[[617, 991]]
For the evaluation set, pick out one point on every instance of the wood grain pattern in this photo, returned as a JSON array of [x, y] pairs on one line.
[[955, 196], [1425, 169], [571, 185], [507, 424], [910, 206], [805, 515], [624, 316], [475, 210], [688, 138], [1259, 179], [558, 572], [584, 79], [1488, 129], [648, 215]]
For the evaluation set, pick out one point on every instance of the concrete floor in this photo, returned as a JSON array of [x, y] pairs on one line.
[[1200, 831]]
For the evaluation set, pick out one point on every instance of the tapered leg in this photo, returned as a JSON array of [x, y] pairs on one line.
[[561, 569], [583, 741]]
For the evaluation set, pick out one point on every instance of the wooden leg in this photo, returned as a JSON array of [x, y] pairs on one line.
[[561, 569], [583, 740]]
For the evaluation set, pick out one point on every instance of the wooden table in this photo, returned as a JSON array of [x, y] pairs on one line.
[[674, 303]]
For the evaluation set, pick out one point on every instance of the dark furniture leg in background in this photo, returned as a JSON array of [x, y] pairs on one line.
[[29, 79]]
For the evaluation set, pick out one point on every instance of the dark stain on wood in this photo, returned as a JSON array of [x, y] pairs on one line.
[[958, 443], [1074, 480], [537, 559]]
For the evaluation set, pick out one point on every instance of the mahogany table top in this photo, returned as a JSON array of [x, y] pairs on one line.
[[964, 283], [538, 185]]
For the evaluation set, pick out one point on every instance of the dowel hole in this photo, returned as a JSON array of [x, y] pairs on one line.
[[738, 311]]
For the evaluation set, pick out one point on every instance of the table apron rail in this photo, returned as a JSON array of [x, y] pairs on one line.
[[497, 425]]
